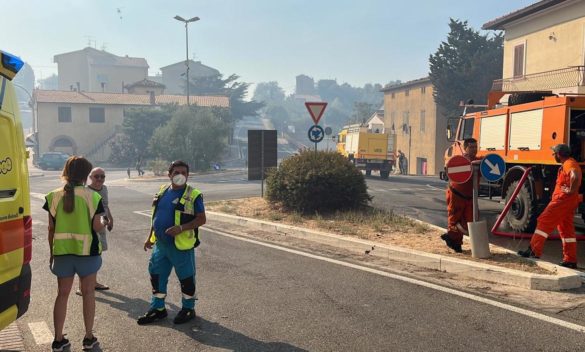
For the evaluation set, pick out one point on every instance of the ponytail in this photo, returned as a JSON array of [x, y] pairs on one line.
[[69, 197]]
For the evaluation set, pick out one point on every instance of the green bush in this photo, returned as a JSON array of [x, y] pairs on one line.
[[317, 182], [159, 167]]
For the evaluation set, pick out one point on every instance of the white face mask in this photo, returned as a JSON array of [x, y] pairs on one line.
[[179, 180]]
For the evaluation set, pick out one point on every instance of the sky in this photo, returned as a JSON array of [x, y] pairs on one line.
[[358, 42]]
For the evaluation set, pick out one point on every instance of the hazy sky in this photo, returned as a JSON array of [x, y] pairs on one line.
[[367, 41]]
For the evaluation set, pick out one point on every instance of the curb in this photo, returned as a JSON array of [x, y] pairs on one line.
[[191, 176], [562, 278]]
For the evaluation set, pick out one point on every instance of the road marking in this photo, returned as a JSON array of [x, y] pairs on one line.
[[37, 195], [525, 312], [436, 188], [41, 332], [143, 212]]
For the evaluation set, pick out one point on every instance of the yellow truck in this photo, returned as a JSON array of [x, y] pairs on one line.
[[368, 150], [15, 216]]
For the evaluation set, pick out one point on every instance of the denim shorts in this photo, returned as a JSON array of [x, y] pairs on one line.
[[69, 265]]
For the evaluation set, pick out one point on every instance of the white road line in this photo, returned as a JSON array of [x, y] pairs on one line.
[[37, 195], [525, 312], [436, 188], [143, 212], [41, 332]]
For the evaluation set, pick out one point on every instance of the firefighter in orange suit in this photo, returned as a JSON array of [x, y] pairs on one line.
[[560, 211], [460, 203]]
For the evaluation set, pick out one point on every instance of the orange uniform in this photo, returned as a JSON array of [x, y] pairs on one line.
[[459, 208], [559, 213]]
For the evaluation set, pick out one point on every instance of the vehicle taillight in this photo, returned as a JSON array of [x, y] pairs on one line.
[[27, 239]]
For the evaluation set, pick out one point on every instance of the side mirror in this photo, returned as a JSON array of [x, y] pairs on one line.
[[449, 134]]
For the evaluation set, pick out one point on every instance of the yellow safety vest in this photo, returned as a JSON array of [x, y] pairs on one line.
[[184, 213], [73, 231]]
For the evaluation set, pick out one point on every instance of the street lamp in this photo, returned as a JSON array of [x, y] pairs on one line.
[[179, 18]]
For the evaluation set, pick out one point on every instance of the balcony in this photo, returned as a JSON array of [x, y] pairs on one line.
[[570, 77]]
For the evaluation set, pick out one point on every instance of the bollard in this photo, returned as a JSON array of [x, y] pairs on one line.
[[478, 236]]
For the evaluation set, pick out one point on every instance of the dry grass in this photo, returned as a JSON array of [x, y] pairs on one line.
[[371, 224]]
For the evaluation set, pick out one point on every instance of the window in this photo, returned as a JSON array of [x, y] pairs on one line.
[[405, 121], [467, 128], [64, 114], [422, 120], [519, 60], [407, 92], [97, 115], [423, 90]]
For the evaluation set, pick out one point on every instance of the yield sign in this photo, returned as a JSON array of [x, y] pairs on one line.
[[316, 110], [459, 169]]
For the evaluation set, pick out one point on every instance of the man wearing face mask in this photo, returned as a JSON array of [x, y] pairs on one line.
[[560, 210], [177, 214]]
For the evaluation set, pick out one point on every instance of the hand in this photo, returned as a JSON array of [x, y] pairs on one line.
[[565, 189], [110, 225], [173, 231], [51, 261], [147, 245]]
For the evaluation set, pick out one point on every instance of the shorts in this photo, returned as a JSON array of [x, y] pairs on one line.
[[69, 265], [103, 239]]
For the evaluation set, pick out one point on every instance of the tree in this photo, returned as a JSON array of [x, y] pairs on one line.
[[362, 111], [195, 135], [140, 123], [124, 153], [235, 91], [464, 67], [269, 93]]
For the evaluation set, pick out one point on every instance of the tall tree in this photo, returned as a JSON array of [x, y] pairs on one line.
[[194, 135], [269, 93], [230, 87], [139, 125], [464, 67]]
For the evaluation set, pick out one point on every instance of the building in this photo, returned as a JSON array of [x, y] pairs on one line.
[[173, 76], [544, 47], [145, 86], [92, 70], [83, 123], [305, 86], [376, 121], [411, 114]]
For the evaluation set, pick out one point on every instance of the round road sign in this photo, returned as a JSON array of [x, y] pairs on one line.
[[459, 169], [316, 133]]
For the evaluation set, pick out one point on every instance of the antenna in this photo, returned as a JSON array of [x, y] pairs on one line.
[[89, 39], [104, 46]]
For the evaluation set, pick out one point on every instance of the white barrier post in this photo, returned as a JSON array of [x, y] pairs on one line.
[[478, 233]]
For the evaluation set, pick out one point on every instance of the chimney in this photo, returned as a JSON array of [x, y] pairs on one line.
[[71, 87], [78, 87], [103, 86], [152, 100]]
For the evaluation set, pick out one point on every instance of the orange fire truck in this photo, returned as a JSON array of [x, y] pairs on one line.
[[522, 132]]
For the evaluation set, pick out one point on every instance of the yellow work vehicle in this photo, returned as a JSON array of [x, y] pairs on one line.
[[15, 219], [368, 150]]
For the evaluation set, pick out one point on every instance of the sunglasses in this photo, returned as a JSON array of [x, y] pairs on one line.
[[98, 177]]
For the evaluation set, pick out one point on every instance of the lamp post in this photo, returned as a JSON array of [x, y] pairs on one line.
[[179, 18], [31, 103]]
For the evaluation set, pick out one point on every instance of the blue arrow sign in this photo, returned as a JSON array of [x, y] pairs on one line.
[[316, 133], [492, 167]]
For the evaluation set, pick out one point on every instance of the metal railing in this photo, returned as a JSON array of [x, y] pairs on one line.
[[562, 78]]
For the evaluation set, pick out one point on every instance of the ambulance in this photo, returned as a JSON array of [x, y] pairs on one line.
[[15, 216]]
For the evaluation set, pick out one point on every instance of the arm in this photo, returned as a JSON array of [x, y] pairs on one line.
[[110, 224], [199, 220], [51, 237], [574, 185], [147, 243]]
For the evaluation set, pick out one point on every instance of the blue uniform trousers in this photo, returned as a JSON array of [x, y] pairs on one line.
[[164, 257]]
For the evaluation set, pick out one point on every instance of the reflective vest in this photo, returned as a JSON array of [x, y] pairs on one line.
[[184, 213], [74, 231]]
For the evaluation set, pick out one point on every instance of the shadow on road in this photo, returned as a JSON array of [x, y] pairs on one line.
[[203, 331]]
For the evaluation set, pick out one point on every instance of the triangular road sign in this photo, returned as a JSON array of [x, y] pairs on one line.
[[316, 110]]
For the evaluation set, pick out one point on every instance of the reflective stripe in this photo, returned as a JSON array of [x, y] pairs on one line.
[[85, 239], [84, 193], [160, 295], [188, 297], [569, 240], [460, 228], [541, 233]]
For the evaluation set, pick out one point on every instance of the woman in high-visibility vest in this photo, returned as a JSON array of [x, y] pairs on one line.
[[74, 245]]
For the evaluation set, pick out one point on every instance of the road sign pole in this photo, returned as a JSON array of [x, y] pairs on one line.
[[475, 192]]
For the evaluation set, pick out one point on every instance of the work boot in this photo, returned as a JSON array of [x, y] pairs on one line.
[[456, 247], [152, 316], [569, 265], [184, 316], [528, 253]]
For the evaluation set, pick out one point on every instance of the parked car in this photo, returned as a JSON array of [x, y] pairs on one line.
[[52, 160]]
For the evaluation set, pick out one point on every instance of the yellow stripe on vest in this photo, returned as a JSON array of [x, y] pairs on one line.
[[79, 237]]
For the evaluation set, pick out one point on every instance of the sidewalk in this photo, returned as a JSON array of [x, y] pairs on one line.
[[559, 278]]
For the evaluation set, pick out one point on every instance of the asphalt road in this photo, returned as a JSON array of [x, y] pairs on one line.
[[252, 297]]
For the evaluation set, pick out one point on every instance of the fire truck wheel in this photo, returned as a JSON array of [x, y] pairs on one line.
[[524, 211], [384, 174]]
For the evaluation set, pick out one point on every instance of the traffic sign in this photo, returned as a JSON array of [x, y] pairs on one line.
[[316, 133], [316, 109], [459, 169], [492, 167]]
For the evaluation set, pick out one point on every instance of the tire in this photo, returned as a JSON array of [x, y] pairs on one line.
[[368, 172], [384, 175], [524, 211]]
